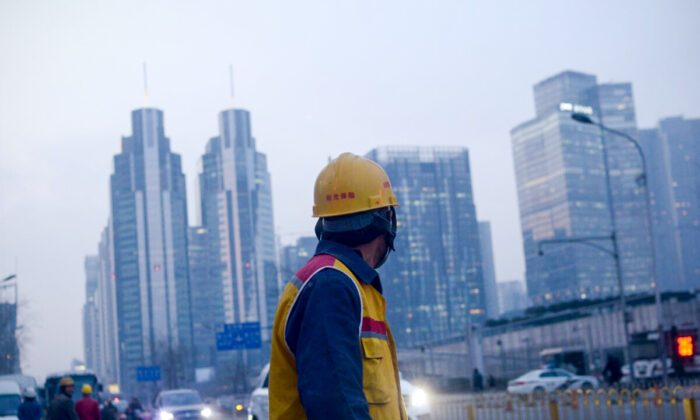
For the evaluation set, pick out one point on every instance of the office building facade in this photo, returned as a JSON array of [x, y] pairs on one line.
[[512, 296], [673, 157], [92, 334], [207, 308], [293, 257], [107, 309], [562, 193], [489, 270], [149, 236], [236, 208], [434, 281]]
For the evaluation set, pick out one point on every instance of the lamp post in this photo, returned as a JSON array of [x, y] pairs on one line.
[[644, 178]]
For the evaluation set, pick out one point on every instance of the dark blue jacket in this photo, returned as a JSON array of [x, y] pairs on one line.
[[30, 410], [322, 333]]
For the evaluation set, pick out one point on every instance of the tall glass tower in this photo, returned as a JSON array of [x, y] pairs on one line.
[[489, 270], [91, 326], [236, 209], [673, 154], [149, 220], [434, 281], [562, 192]]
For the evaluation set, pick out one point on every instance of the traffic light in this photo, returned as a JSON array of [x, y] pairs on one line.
[[685, 346]]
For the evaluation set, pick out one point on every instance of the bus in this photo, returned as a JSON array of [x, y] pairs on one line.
[[83, 377]]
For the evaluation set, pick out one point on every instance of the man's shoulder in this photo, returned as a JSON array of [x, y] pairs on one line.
[[332, 279]]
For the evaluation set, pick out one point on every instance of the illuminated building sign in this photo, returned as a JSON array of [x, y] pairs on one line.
[[565, 106]]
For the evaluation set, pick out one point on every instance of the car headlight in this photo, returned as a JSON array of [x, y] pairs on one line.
[[206, 412], [165, 415], [419, 398]]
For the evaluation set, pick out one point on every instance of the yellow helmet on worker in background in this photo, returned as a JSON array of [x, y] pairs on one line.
[[87, 389], [351, 184], [66, 381]]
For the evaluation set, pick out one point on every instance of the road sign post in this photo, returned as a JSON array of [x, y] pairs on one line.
[[239, 336]]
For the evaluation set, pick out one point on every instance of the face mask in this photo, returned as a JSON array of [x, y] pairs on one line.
[[389, 247], [389, 238]]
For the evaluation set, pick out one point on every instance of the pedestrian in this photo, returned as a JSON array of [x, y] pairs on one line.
[[87, 408], [30, 409], [109, 411], [62, 407], [491, 381], [333, 354], [134, 410], [477, 381], [612, 371]]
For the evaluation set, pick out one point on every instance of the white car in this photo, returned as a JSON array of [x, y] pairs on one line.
[[548, 380], [416, 399], [181, 404], [10, 399]]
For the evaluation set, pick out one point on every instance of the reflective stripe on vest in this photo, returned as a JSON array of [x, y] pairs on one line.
[[381, 383]]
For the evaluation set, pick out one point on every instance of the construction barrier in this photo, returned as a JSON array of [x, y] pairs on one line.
[[678, 403]]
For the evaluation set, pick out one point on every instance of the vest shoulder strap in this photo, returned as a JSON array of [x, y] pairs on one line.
[[313, 266]]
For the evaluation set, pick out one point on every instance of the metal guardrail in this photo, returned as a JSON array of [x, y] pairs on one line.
[[678, 403]]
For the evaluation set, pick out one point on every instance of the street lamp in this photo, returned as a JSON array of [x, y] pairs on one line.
[[644, 178]]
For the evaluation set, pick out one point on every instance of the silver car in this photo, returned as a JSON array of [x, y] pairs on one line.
[[181, 404]]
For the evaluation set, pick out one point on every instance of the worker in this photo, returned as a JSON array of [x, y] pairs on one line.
[[62, 407], [87, 408], [30, 409], [333, 354]]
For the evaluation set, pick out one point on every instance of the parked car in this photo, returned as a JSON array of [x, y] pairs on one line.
[[10, 399], [415, 398], [548, 380], [181, 404]]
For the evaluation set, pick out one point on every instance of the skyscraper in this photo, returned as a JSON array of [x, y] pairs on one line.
[[107, 309], [236, 208], [673, 158], [293, 257], [92, 336], [207, 307], [511, 296], [562, 193], [149, 220], [489, 270], [434, 281]]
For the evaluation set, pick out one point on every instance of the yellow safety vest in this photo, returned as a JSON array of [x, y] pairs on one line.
[[380, 370]]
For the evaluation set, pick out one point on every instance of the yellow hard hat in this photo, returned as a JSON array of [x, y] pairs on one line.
[[351, 184], [87, 389], [66, 381]]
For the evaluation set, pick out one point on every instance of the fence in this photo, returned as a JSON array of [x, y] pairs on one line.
[[679, 403]]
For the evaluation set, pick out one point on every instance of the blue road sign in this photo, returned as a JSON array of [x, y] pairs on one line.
[[148, 373], [245, 335]]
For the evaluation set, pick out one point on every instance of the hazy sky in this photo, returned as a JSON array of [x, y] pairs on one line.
[[319, 78]]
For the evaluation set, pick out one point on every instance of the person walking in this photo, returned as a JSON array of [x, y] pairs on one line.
[[333, 355], [134, 410], [62, 407], [612, 371], [30, 409], [477, 381], [87, 408], [109, 411]]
